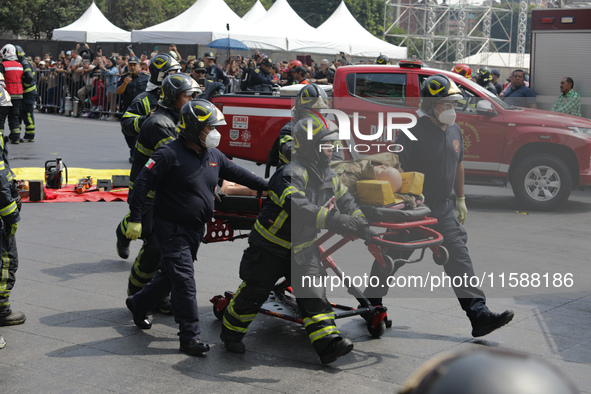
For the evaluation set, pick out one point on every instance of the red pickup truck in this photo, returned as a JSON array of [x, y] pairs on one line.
[[543, 154]]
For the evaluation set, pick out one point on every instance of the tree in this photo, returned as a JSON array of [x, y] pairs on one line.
[[241, 7], [39, 17]]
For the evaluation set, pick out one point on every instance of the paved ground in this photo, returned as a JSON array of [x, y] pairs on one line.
[[79, 336]]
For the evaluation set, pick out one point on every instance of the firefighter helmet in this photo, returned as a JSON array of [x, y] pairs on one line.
[[175, 84], [160, 66], [311, 96], [383, 60], [438, 87], [463, 69], [4, 98], [485, 73], [195, 115], [308, 134], [8, 52], [490, 371], [292, 65], [20, 52]]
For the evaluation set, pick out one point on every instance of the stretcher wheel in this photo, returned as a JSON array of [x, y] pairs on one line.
[[441, 256], [377, 331], [388, 269], [219, 313]]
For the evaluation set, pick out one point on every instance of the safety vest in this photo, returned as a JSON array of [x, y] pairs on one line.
[[13, 72]]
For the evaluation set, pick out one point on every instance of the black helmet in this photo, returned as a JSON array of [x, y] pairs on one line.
[[436, 87], [175, 84], [490, 371], [383, 60], [308, 149], [20, 52], [485, 73], [197, 114], [310, 96], [160, 66]]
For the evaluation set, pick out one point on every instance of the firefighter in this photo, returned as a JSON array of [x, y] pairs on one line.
[[13, 74], [487, 370], [29, 95], [129, 86], [291, 66], [438, 154], [463, 69], [261, 79], [282, 242], [144, 104], [158, 130], [9, 214], [185, 173], [484, 79], [383, 60]]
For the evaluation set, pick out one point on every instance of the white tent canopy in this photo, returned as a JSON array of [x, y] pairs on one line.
[[256, 12], [495, 59], [361, 42], [282, 18], [92, 26], [204, 22]]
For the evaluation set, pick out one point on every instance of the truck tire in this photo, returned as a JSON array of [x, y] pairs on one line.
[[541, 182]]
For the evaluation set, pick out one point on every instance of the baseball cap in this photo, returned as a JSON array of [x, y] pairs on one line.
[[267, 62], [68, 52], [42, 62], [208, 55], [199, 66], [495, 72], [133, 59]]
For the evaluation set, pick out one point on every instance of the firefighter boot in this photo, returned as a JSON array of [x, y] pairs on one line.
[[141, 321], [490, 322], [10, 318], [232, 345], [194, 347], [338, 347]]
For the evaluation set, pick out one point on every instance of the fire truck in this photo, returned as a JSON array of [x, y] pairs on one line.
[[561, 47], [543, 155]]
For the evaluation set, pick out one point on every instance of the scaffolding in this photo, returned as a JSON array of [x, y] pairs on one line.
[[437, 31]]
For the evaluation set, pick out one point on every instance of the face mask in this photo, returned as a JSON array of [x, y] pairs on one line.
[[447, 117], [213, 139]]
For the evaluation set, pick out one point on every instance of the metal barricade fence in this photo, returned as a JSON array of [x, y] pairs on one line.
[[95, 93]]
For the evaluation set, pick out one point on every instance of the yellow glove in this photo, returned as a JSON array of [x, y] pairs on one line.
[[462, 209], [134, 231], [12, 230]]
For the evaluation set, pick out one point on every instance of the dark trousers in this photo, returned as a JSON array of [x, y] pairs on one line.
[[27, 116], [178, 247], [260, 270], [471, 299], [8, 267], [14, 119]]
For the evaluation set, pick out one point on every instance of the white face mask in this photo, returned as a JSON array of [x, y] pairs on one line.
[[447, 117], [213, 139]]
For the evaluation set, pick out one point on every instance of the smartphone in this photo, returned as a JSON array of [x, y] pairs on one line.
[[201, 81]]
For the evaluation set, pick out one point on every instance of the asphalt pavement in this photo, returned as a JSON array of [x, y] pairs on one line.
[[79, 336]]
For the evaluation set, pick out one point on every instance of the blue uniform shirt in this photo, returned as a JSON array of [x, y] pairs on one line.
[[185, 182], [259, 77], [215, 73], [436, 153]]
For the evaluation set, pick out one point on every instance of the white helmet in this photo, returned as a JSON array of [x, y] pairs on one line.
[[8, 52], [4, 98]]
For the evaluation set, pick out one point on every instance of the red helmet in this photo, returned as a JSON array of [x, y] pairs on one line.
[[463, 69], [292, 65]]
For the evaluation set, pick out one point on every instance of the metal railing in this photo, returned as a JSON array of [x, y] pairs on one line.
[[92, 95]]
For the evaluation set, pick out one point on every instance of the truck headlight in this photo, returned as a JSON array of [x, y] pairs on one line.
[[580, 130]]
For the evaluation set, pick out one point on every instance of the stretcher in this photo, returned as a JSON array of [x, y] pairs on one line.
[[234, 216]]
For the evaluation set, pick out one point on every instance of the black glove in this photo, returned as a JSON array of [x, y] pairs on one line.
[[218, 194], [368, 233], [345, 224]]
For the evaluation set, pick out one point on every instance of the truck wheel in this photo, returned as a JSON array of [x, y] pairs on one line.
[[541, 182]]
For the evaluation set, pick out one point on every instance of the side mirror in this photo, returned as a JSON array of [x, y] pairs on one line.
[[485, 108]]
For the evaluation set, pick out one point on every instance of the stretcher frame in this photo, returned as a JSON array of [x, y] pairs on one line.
[[228, 223]]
